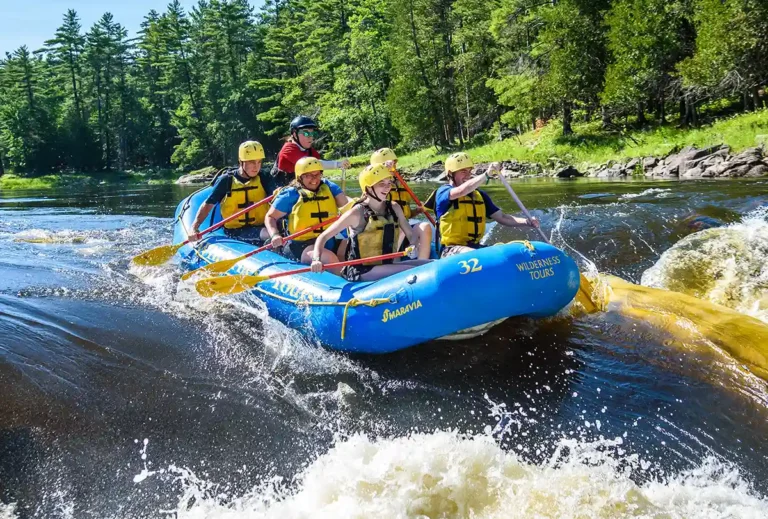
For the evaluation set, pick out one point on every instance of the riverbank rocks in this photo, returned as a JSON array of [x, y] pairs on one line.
[[199, 176], [690, 163], [207, 174], [428, 174]]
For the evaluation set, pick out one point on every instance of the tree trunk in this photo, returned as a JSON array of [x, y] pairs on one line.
[[605, 117], [747, 100], [661, 116], [690, 111], [683, 112], [640, 113], [74, 86], [567, 117]]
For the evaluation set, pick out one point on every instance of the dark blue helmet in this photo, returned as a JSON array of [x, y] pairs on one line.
[[302, 121]]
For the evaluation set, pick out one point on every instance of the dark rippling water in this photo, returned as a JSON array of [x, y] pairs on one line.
[[123, 395]]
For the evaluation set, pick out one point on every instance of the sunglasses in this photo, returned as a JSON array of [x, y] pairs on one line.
[[310, 133]]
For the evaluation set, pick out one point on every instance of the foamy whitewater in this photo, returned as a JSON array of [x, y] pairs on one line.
[[726, 265], [657, 191], [445, 474]]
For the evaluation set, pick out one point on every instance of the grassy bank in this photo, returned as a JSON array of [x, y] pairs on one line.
[[590, 145], [11, 181]]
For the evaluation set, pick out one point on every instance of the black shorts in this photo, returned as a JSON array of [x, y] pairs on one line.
[[450, 250], [295, 248], [354, 272], [249, 234]]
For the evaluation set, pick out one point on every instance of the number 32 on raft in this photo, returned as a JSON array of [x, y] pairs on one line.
[[470, 266]]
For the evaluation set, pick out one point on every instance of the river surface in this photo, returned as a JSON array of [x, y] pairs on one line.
[[123, 395]]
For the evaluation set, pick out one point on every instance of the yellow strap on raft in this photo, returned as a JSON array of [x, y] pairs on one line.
[[347, 305]]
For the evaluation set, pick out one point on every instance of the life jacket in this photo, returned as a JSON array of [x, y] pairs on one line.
[[400, 195], [310, 209], [240, 196], [380, 235], [464, 222]]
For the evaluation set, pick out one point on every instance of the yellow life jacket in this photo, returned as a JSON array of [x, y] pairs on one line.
[[464, 222], [240, 196], [380, 235], [310, 209], [400, 195]]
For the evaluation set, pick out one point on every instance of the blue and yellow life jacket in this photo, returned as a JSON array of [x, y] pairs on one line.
[[241, 195], [310, 209]]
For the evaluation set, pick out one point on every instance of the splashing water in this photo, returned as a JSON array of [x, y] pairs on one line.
[[725, 265], [659, 192], [7, 511], [445, 474]]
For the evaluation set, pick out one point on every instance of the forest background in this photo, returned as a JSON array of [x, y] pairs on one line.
[[408, 74]]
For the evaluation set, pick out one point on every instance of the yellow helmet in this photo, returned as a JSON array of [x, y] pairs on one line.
[[251, 150], [382, 155], [372, 175], [458, 161], [308, 165]]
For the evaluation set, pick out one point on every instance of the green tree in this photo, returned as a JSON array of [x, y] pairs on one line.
[[731, 53], [645, 45], [27, 134]]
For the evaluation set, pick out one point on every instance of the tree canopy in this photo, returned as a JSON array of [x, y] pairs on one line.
[[401, 73]]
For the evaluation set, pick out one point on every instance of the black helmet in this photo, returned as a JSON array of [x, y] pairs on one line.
[[302, 121]]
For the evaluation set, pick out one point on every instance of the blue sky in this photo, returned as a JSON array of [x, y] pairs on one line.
[[31, 22]]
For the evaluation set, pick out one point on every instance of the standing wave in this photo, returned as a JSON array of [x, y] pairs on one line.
[[725, 265], [448, 475]]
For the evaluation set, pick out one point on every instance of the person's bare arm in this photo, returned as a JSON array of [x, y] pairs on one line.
[[200, 217], [270, 222]]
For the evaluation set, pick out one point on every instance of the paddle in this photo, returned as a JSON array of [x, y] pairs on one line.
[[584, 295], [224, 265], [160, 255], [413, 195], [343, 179], [228, 285]]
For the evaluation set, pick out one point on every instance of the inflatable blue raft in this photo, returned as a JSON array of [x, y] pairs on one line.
[[428, 302]]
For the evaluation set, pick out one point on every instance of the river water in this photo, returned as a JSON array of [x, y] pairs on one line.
[[124, 395]]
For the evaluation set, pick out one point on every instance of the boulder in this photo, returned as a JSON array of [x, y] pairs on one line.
[[738, 171], [649, 163], [632, 165], [693, 173], [510, 173], [760, 170], [712, 160], [568, 172], [614, 171], [677, 163], [434, 171], [200, 176], [749, 157]]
